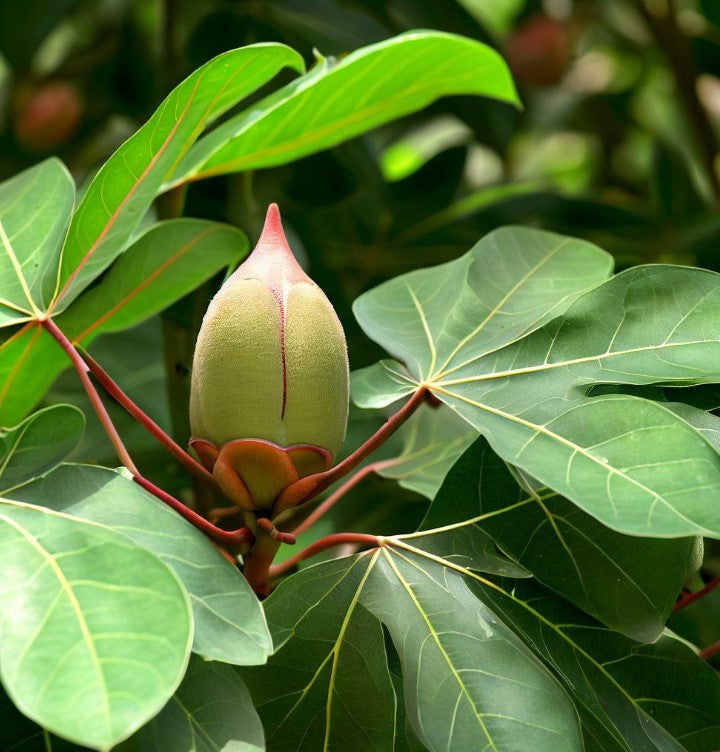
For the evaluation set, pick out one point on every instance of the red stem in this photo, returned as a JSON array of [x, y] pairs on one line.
[[710, 650], [336, 539], [689, 598], [233, 537], [331, 500], [82, 370], [227, 537], [308, 488], [148, 423]]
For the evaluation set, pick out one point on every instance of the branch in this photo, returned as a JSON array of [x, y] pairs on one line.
[[308, 488], [336, 539], [331, 500], [148, 423], [689, 598]]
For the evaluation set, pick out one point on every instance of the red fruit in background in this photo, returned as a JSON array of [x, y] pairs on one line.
[[47, 115], [538, 51]]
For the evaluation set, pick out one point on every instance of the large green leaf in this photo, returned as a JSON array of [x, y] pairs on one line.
[[211, 710], [35, 208], [160, 267], [229, 621], [96, 631], [38, 444], [469, 682], [630, 584], [125, 186], [497, 337], [167, 262], [332, 103], [327, 687]]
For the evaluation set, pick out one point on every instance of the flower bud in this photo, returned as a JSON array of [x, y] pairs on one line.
[[270, 364]]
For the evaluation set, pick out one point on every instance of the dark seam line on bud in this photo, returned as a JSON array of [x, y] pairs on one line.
[[281, 305]]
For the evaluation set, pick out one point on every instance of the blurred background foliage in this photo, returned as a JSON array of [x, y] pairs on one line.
[[618, 143]]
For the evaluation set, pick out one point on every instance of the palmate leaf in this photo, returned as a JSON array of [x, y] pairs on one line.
[[38, 444], [160, 267], [96, 631], [628, 583], [229, 621], [128, 182], [496, 335], [333, 103], [469, 682]]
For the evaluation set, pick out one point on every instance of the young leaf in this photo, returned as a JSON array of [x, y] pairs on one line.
[[336, 102], [38, 444], [328, 685], [211, 710], [624, 460], [469, 682], [96, 631], [229, 621], [35, 208], [165, 263], [628, 583], [125, 186]]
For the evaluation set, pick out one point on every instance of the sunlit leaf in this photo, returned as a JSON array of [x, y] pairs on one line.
[[96, 631], [229, 621], [38, 444], [336, 102], [125, 186], [485, 334]]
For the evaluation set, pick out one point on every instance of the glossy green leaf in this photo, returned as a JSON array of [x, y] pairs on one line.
[[485, 334], [125, 186], [38, 444], [433, 439], [630, 584], [35, 208], [211, 710], [229, 621], [96, 631], [167, 262], [327, 687], [333, 103]]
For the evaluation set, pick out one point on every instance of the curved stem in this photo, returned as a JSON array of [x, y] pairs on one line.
[[689, 598], [148, 423], [100, 410], [336, 539], [334, 497], [309, 487], [710, 650]]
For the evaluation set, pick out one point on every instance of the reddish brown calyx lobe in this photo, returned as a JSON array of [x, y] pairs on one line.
[[252, 472]]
